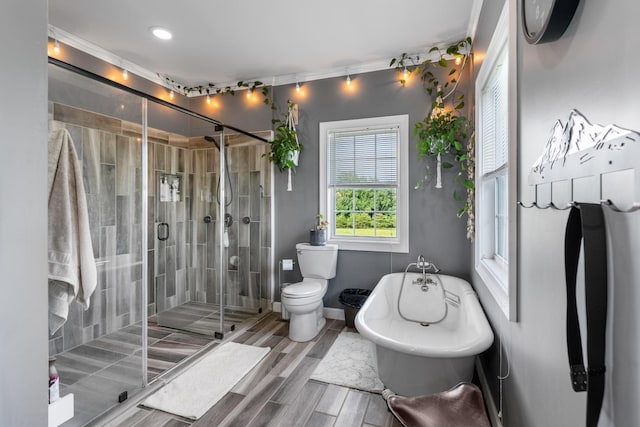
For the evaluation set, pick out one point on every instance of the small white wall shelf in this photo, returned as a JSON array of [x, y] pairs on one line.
[[589, 164], [61, 410]]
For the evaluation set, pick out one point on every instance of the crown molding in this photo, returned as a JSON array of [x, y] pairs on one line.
[[474, 18], [103, 54], [279, 80]]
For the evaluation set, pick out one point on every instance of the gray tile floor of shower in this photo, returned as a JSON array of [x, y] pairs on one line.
[[98, 371]]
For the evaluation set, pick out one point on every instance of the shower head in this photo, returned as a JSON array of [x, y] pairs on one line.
[[211, 139]]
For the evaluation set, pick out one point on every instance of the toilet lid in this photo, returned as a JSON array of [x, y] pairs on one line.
[[302, 290]]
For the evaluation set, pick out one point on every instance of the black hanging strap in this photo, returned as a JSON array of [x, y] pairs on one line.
[[587, 222]]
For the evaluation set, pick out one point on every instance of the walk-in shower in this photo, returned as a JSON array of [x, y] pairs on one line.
[[151, 179]]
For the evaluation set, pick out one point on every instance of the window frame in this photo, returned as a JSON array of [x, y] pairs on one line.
[[398, 244], [498, 275]]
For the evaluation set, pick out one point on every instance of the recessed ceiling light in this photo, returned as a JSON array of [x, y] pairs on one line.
[[161, 33]]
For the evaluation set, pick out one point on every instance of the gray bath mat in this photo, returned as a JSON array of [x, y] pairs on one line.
[[350, 362]]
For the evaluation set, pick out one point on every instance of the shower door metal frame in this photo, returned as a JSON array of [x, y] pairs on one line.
[[220, 126], [221, 225], [145, 243]]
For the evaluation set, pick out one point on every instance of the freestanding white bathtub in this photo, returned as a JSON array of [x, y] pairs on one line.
[[414, 359]]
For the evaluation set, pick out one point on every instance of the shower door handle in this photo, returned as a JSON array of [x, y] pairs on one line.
[[163, 231]]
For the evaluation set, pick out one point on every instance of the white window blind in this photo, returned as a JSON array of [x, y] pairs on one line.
[[494, 118], [367, 158]]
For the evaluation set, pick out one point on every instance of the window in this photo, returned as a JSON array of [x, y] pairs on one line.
[[364, 183], [494, 175]]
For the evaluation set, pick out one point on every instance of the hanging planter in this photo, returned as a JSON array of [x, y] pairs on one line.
[[285, 148], [443, 136]]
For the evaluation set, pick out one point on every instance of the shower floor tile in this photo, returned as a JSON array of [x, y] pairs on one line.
[[98, 354]]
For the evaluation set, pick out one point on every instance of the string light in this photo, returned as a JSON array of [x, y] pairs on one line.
[[208, 99], [458, 60], [405, 73], [249, 92], [170, 94], [56, 47], [125, 74], [297, 87], [348, 80]]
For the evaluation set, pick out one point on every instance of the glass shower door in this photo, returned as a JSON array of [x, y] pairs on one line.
[[227, 252], [183, 241], [100, 349]]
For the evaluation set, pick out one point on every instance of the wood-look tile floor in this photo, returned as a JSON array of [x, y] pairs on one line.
[[98, 371], [278, 392]]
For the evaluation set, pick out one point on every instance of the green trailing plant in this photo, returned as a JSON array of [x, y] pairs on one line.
[[285, 146], [284, 149], [444, 134], [212, 89]]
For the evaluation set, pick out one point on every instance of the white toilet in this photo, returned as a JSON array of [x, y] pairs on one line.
[[303, 300]]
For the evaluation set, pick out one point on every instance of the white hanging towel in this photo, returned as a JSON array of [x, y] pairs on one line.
[[72, 267]]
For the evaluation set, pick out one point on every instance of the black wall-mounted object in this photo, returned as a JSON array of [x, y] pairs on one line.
[[544, 21]]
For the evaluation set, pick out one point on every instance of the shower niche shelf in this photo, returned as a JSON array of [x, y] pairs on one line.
[[170, 187]]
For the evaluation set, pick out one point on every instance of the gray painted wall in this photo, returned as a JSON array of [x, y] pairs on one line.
[[23, 214], [435, 231], [587, 69]]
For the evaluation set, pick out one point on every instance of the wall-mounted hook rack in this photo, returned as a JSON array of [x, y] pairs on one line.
[[585, 163]]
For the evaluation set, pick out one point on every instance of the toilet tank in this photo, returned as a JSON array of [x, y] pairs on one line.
[[317, 262]]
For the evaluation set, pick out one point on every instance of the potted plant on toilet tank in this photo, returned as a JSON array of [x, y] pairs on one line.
[[318, 234]]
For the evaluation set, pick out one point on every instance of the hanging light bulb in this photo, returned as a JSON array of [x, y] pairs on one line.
[[125, 74], [458, 60], [171, 94], [405, 73], [348, 80], [249, 92], [56, 46], [297, 87], [208, 99]]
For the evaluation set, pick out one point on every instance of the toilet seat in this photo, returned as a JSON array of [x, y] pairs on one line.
[[302, 290]]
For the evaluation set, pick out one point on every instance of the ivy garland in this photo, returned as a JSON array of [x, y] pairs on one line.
[[285, 142], [211, 89]]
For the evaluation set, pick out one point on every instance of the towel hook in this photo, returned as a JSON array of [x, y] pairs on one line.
[[607, 202]]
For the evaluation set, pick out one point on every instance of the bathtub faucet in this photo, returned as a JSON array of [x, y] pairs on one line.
[[425, 266]]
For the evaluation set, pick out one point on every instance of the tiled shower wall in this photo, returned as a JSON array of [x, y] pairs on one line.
[[183, 267], [248, 200]]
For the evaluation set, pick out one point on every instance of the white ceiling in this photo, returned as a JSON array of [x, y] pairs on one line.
[[276, 42]]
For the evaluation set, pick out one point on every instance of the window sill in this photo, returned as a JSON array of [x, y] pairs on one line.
[[346, 244]]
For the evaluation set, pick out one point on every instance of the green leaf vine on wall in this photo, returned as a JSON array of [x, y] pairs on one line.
[[445, 134], [212, 89], [284, 149]]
